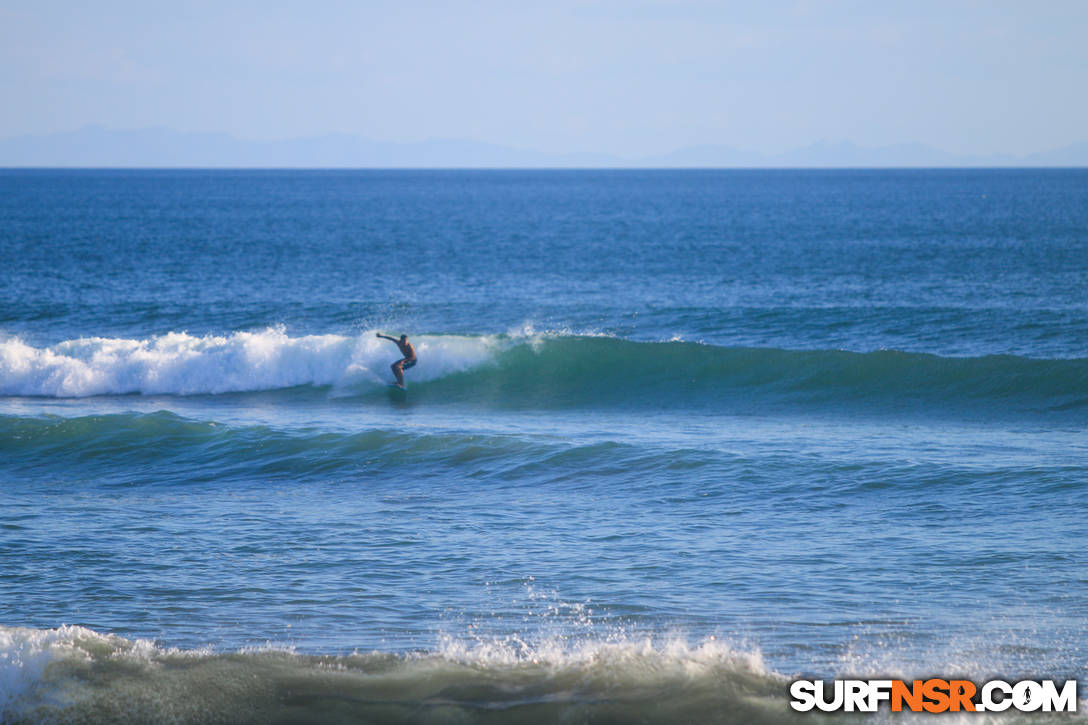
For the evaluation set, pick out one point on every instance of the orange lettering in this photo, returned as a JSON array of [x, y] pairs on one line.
[[911, 695], [961, 692], [936, 691]]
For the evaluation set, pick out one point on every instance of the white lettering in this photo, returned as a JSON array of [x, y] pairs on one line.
[[988, 701], [804, 695], [1064, 701]]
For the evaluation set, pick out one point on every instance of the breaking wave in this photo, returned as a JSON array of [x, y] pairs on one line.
[[544, 371], [74, 674]]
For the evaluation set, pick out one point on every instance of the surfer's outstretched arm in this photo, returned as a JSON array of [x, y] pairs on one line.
[[387, 337]]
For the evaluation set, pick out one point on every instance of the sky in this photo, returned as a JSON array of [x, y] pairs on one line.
[[625, 78]]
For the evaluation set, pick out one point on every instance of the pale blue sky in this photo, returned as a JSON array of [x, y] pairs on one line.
[[628, 78]]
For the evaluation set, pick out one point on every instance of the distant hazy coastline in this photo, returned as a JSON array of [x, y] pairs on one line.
[[97, 146]]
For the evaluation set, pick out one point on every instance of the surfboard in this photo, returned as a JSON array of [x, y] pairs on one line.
[[401, 388]]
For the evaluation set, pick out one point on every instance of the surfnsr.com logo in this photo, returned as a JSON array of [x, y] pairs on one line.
[[933, 695]]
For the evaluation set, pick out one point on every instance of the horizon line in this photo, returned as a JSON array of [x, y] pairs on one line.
[[950, 167], [749, 158]]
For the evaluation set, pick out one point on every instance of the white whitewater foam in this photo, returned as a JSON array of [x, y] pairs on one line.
[[181, 364], [635, 658], [26, 653]]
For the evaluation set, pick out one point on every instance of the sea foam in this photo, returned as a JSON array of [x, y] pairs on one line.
[[182, 364]]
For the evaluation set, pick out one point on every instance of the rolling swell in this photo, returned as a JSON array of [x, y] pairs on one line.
[[126, 449], [163, 448], [140, 445], [548, 372]]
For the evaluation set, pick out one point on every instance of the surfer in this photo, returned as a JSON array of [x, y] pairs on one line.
[[407, 351]]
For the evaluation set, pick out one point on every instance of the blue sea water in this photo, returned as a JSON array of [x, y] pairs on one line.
[[673, 439]]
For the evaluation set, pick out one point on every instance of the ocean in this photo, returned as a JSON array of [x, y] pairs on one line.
[[675, 438]]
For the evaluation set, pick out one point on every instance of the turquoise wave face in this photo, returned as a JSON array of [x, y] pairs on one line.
[[603, 372]]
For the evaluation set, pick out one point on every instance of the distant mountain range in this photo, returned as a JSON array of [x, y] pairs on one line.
[[96, 146]]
